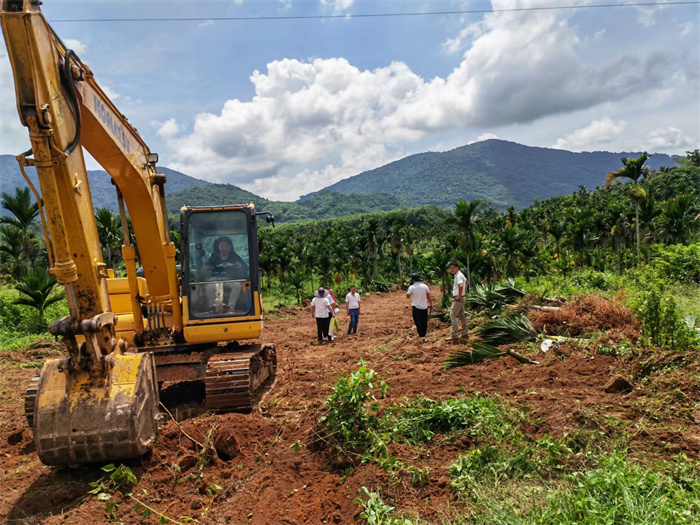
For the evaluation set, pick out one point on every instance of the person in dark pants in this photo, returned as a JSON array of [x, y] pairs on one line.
[[321, 310], [352, 303], [420, 303]]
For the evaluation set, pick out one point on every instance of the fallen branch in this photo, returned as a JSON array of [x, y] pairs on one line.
[[179, 426]]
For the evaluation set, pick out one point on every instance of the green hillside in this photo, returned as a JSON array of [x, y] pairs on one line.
[[101, 188], [504, 173], [321, 206]]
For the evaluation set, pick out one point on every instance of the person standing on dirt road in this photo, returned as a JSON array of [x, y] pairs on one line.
[[420, 302], [457, 314], [321, 310], [352, 303]]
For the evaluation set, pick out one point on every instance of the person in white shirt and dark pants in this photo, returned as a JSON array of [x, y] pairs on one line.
[[420, 302], [352, 303], [457, 314], [321, 309]]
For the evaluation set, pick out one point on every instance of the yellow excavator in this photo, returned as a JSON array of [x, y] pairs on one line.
[[159, 324]]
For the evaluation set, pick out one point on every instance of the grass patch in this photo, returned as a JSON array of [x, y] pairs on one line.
[[419, 420], [618, 491]]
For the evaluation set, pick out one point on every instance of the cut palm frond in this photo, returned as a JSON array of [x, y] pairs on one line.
[[507, 331], [480, 352], [510, 291], [492, 297]]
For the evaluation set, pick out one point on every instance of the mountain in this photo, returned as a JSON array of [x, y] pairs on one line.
[[103, 193], [182, 189], [505, 173]]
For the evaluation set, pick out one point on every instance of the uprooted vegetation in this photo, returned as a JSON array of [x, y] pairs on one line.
[[585, 314]]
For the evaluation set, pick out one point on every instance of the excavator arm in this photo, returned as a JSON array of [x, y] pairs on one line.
[[100, 403]]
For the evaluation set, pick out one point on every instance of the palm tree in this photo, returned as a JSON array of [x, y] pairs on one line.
[[11, 255], [634, 170], [676, 222], [465, 217], [557, 231], [23, 214], [296, 280], [372, 230], [39, 290], [109, 231], [512, 241]]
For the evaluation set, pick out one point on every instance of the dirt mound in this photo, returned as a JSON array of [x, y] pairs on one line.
[[586, 314]]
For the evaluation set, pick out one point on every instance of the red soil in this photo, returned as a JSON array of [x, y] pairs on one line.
[[257, 477]]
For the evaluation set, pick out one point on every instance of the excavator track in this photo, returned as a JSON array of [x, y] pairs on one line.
[[30, 400], [234, 381]]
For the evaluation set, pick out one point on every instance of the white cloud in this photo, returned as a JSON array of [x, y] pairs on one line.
[[76, 46], [483, 136], [14, 138], [310, 123], [338, 5], [666, 138], [206, 23], [687, 28], [647, 14], [166, 129], [597, 132], [113, 95]]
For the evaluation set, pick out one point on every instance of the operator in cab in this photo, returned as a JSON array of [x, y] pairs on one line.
[[225, 263]]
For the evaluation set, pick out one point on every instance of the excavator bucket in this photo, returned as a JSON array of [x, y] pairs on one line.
[[86, 416]]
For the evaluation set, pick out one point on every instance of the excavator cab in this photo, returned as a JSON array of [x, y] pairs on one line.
[[220, 261]]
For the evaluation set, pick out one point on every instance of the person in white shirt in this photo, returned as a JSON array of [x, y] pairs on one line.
[[352, 303], [321, 310], [457, 314], [420, 302]]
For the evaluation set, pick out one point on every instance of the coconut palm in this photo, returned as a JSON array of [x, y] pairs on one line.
[[633, 169], [23, 211], [39, 290]]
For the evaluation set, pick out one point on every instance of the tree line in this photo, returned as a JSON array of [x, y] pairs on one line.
[[611, 228]]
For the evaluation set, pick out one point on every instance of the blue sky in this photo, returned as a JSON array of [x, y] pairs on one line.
[[285, 107]]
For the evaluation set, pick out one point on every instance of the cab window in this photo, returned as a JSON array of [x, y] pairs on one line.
[[219, 264]]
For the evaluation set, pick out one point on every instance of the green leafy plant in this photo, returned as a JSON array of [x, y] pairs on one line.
[[419, 420], [376, 512], [39, 290], [511, 329], [663, 324], [351, 421]]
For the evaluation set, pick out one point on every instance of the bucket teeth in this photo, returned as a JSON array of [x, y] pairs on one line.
[[234, 379]]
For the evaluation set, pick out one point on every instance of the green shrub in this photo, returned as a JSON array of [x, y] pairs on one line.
[[677, 262], [351, 422], [419, 420], [662, 322]]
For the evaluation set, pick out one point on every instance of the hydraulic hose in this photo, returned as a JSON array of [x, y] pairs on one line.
[[73, 99]]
